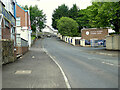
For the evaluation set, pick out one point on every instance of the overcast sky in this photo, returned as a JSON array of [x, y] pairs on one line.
[[49, 5]]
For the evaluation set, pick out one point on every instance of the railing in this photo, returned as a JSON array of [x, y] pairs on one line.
[[20, 42], [24, 43]]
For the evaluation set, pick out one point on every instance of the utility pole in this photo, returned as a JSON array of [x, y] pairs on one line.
[[36, 30]]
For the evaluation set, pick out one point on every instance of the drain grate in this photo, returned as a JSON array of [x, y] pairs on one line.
[[23, 72]]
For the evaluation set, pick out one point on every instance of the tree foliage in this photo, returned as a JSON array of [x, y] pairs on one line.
[[67, 26], [38, 18], [100, 14], [109, 15], [61, 11], [64, 11], [73, 12]]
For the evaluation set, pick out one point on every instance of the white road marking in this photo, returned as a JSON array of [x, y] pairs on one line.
[[103, 62], [108, 63], [111, 64], [65, 77]]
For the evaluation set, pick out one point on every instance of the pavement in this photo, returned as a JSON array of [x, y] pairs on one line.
[[33, 70]]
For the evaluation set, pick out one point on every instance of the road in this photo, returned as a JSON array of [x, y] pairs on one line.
[[83, 70]]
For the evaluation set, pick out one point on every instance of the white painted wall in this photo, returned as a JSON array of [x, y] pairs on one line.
[[29, 38], [24, 33], [82, 42], [113, 42]]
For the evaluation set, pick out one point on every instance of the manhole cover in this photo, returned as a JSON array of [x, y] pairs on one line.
[[23, 72]]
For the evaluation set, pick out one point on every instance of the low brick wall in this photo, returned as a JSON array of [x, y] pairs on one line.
[[24, 50], [21, 50], [18, 50], [8, 54]]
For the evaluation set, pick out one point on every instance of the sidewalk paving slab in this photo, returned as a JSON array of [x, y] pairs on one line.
[[34, 70]]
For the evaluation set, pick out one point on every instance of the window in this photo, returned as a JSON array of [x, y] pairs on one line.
[[18, 21], [6, 23]]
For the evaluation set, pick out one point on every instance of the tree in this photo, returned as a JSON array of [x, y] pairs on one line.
[[25, 7], [37, 17], [100, 14], [109, 15], [61, 11], [73, 12], [83, 19], [67, 27]]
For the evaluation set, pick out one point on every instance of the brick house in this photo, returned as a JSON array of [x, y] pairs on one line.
[[8, 19], [7, 30], [23, 29]]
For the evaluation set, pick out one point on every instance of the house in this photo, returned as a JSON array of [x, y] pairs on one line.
[[8, 19], [7, 30], [23, 29]]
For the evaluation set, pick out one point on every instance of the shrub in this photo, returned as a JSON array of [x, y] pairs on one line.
[[67, 27]]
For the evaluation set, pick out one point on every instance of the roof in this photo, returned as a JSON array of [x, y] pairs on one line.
[[22, 8]]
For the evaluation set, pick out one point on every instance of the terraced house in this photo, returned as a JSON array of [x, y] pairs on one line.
[[15, 30], [23, 30], [8, 29], [7, 17]]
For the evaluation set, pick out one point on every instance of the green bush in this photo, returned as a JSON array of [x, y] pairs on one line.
[[33, 37], [67, 27]]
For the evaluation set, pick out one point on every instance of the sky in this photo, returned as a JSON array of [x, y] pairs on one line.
[[48, 6]]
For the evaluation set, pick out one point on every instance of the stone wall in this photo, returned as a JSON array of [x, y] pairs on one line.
[[113, 42], [8, 54]]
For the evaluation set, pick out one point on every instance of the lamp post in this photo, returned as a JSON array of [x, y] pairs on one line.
[[36, 29]]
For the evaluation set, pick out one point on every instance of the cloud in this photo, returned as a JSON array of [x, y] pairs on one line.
[[49, 5]]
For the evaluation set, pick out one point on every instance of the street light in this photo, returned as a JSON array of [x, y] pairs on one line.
[[36, 27]]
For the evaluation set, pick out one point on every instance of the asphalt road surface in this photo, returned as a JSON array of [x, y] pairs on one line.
[[83, 70]]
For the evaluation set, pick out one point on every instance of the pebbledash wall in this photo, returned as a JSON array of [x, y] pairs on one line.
[[113, 42], [94, 33]]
